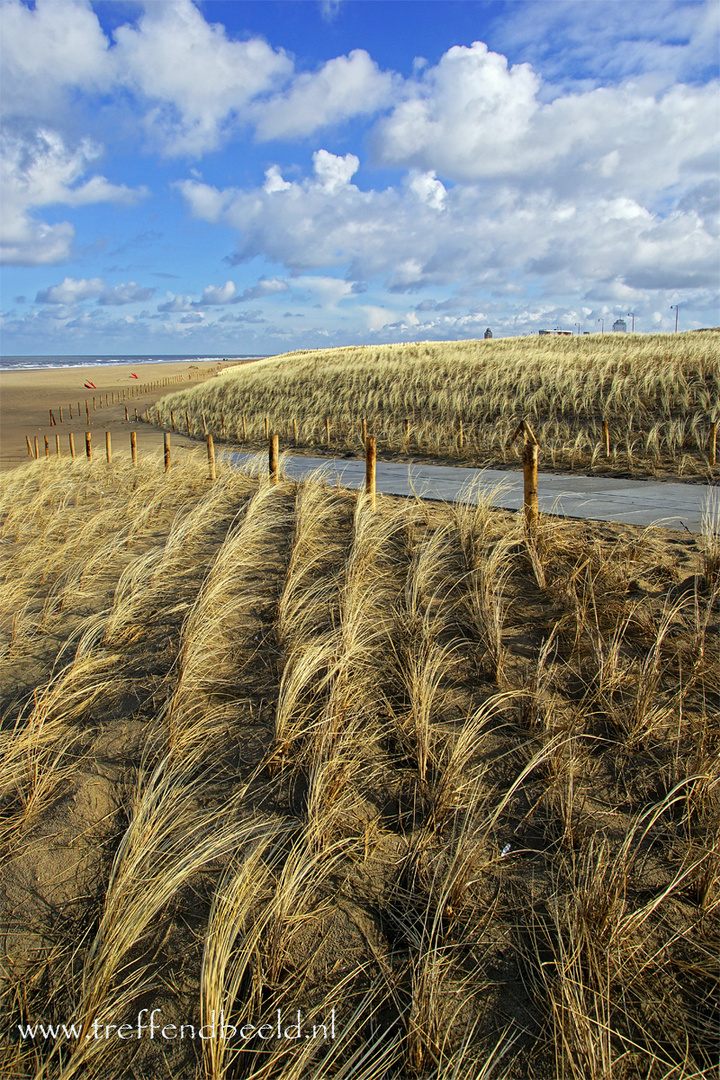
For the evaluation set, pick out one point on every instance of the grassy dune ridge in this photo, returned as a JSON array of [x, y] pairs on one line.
[[262, 748], [658, 393]]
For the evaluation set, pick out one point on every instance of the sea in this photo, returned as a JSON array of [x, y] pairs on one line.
[[32, 363]]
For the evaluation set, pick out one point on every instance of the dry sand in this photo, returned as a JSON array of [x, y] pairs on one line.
[[26, 398]]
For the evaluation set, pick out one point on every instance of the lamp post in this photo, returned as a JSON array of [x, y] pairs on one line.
[[631, 315], [676, 309]]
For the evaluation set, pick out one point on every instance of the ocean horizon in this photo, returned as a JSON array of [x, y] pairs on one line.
[[29, 363]]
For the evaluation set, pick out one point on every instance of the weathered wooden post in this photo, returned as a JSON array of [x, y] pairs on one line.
[[52, 418], [211, 455], [295, 433], [172, 419], [60, 413], [267, 428], [166, 448], [47, 447], [57, 445], [370, 469], [327, 430], [364, 431], [712, 448], [531, 450], [136, 417], [244, 428], [461, 435], [88, 446], [133, 446], [87, 410], [71, 414], [71, 441], [407, 430], [29, 445], [37, 448], [187, 421], [126, 413], [606, 438], [108, 447], [274, 447]]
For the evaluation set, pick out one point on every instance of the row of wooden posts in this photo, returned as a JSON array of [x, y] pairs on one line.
[[530, 461], [97, 401], [605, 432]]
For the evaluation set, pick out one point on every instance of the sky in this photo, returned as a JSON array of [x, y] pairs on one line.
[[228, 178]]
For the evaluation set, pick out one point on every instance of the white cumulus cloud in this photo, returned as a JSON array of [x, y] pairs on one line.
[[40, 171], [344, 87]]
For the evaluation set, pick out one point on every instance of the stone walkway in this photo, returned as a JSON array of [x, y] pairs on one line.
[[636, 502]]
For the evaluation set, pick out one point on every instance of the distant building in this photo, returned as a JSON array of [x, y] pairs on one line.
[[619, 326], [488, 333]]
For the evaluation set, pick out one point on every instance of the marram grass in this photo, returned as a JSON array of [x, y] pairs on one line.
[[658, 393], [453, 798]]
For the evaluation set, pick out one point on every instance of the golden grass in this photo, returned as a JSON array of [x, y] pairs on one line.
[[266, 749], [658, 392]]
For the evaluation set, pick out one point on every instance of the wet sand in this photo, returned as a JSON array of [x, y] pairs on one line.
[[26, 398]]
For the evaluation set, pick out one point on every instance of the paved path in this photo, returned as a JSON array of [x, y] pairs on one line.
[[637, 502]]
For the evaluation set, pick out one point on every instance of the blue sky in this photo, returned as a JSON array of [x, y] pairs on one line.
[[227, 178]]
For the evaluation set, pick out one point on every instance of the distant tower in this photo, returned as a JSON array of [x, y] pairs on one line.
[[488, 333], [619, 326]]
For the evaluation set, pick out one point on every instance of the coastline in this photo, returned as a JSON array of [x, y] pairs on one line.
[[28, 394]]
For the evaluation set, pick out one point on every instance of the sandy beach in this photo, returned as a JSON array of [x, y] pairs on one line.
[[26, 398]]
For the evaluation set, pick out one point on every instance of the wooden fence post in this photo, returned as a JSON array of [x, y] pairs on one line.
[[29, 445], [606, 438], [37, 448], [244, 428], [531, 451], [370, 469], [52, 418], [274, 448], [136, 417], [327, 430], [407, 430], [172, 419], [57, 446], [187, 421], [295, 433], [71, 440], [461, 435], [87, 410], [364, 431], [108, 447], [88, 445], [71, 414], [133, 446], [166, 450], [47, 447], [712, 448], [211, 455], [126, 413], [60, 413], [267, 428]]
